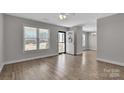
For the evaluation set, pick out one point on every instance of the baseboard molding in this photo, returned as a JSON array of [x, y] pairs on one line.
[[78, 53], [28, 59], [92, 49], [111, 62], [88, 49], [71, 54]]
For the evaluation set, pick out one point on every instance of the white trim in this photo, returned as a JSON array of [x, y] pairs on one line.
[[79, 53], [110, 61], [27, 59], [92, 49]]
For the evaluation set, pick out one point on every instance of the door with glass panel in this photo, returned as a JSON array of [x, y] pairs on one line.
[[61, 42]]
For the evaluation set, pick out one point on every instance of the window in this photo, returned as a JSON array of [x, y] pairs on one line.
[[35, 38], [43, 38], [30, 38]]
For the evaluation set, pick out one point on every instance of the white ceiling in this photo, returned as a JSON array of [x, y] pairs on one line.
[[87, 19]]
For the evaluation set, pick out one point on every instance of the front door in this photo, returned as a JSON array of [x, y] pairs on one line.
[[61, 42]]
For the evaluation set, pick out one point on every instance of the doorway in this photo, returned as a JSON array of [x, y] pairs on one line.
[[84, 41], [61, 42]]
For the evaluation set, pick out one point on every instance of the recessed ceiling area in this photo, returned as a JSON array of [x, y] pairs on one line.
[[88, 20]]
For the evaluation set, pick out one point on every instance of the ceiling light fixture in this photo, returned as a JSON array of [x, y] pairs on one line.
[[62, 16]]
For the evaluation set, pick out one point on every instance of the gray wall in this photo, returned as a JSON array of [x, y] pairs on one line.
[[110, 37], [13, 38], [1, 40], [78, 38]]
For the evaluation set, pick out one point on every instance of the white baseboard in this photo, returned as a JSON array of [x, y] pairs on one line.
[[78, 53], [27, 59], [92, 49], [111, 62]]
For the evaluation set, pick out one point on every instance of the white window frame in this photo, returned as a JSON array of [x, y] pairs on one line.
[[37, 31]]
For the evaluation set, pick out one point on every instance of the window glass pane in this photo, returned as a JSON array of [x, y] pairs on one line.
[[61, 37], [61, 47], [43, 38], [30, 38]]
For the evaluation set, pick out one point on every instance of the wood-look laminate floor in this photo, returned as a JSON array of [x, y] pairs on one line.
[[63, 67]]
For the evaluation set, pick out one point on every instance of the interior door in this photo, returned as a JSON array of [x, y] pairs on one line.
[[93, 41], [70, 42]]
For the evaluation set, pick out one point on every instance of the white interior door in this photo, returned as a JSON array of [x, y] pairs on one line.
[[93, 41], [70, 42]]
